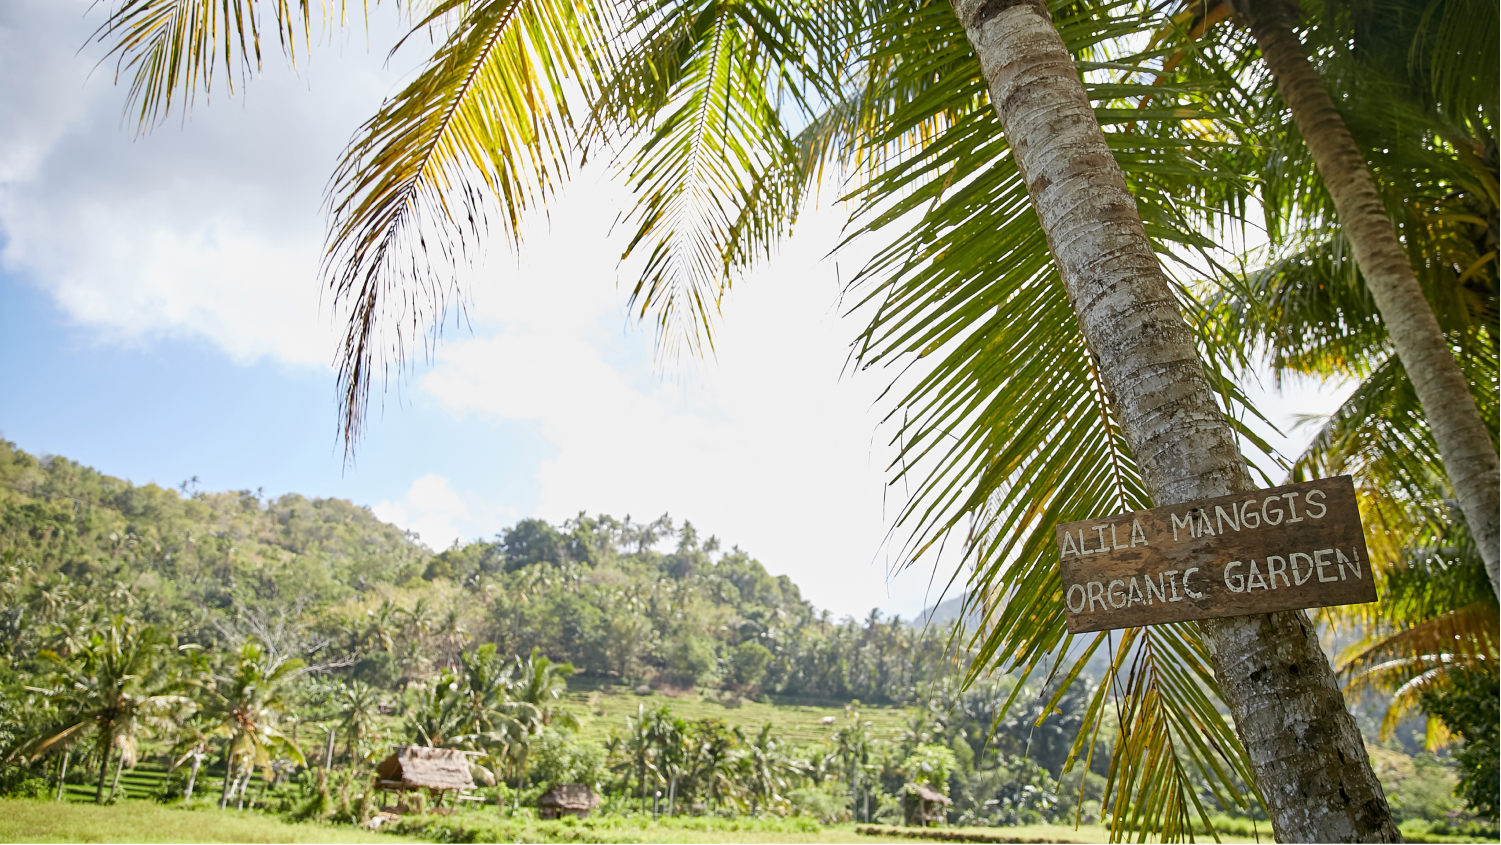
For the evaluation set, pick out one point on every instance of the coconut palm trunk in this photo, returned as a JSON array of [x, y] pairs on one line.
[[1308, 757], [62, 776], [187, 794], [114, 786], [103, 773], [1469, 455]]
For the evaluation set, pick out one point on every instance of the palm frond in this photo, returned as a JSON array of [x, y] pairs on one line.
[[708, 102], [1006, 429], [172, 49], [485, 124]]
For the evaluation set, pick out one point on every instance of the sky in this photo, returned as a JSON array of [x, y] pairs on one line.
[[161, 320]]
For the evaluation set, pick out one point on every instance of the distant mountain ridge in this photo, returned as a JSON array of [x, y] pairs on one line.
[[948, 611]]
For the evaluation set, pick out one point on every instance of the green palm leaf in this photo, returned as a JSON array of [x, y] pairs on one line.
[[485, 125], [705, 104], [1006, 430], [173, 48]]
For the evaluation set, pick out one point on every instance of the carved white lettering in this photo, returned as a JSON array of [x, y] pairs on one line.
[[1096, 595], [1309, 504], [1267, 517], [1138, 536], [1248, 512], [1111, 594], [1186, 522], [1299, 577], [1069, 546], [1187, 589], [1220, 517], [1157, 588], [1083, 598], [1353, 564], [1275, 566], [1253, 577], [1234, 583], [1292, 507], [1319, 563]]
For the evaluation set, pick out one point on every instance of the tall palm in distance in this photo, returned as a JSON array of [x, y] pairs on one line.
[[1428, 134], [1380, 177], [245, 706], [123, 682]]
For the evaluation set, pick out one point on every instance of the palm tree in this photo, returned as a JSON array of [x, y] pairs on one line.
[[193, 740], [383, 625], [1266, 667], [667, 747], [359, 713], [119, 684], [1469, 454], [767, 768], [244, 707], [541, 684], [439, 715]]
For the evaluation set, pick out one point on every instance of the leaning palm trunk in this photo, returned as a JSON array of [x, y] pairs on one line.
[[187, 794], [1308, 757], [1469, 456], [62, 776], [103, 775]]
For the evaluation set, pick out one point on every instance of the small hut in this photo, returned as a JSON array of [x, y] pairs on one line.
[[925, 806], [438, 770], [567, 799]]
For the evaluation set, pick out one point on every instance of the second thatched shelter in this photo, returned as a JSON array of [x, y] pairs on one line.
[[571, 799], [438, 770], [924, 806]]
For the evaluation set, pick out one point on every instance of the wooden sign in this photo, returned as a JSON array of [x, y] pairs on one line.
[[1277, 549]]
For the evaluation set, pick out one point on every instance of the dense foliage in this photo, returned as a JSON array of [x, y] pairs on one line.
[[296, 639]]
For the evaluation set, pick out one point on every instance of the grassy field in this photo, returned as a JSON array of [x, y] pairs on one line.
[[141, 821], [605, 709], [23, 820]]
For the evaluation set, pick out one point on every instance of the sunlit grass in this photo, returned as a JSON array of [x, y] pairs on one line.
[[23, 820], [601, 711]]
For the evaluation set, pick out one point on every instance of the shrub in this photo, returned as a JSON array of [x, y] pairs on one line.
[[819, 804], [1469, 707]]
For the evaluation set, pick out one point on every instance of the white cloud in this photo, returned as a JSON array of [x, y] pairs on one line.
[[209, 228], [765, 445], [441, 515]]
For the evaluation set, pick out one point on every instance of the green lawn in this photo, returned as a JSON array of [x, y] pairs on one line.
[[603, 710], [23, 820]]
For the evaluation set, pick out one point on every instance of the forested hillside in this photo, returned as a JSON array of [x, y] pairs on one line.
[[630, 601]]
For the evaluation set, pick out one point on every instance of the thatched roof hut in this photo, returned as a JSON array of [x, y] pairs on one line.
[[415, 767], [574, 799], [925, 805]]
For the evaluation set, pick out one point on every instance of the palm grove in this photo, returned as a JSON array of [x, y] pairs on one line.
[[294, 641], [1053, 188]]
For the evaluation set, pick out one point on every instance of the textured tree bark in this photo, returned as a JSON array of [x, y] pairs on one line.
[[1308, 756], [1469, 456]]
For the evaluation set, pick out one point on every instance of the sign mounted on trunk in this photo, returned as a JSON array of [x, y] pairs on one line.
[[1282, 548]]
